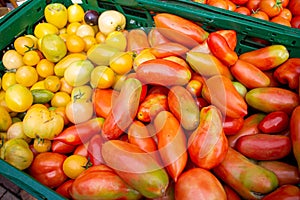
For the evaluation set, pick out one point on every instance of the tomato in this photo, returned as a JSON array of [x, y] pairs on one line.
[[286, 14], [281, 20], [194, 87], [232, 125], [45, 68], [74, 165], [75, 13], [230, 193], [295, 133], [284, 192], [79, 72], [52, 83], [18, 98], [274, 122], [81, 149], [117, 39], [5, 121], [78, 112], [189, 184], [60, 99], [41, 145], [64, 188], [75, 44], [61, 147], [121, 63], [26, 76], [103, 100], [243, 10], [24, 44], [271, 7], [294, 7], [15, 130], [8, 79], [56, 14], [168, 49], [111, 20], [12, 59], [89, 42], [295, 22], [252, 5], [137, 41], [47, 169], [231, 6], [218, 3], [82, 93], [44, 28], [260, 15], [85, 30], [94, 150]]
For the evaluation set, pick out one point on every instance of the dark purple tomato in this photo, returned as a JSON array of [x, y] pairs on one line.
[[91, 17]]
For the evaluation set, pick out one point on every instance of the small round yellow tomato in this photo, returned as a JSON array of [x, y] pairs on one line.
[[78, 112], [52, 83], [117, 40], [100, 37], [79, 72], [111, 20], [62, 112], [102, 77], [26, 75], [143, 56], [23, 44], [56, 14], [45, 28], [89, 42], [75, 13], [18, 98], [5, 119], [60, 99], [74, 165], [72, 28], [75, 44], [8, 79], [41, 145], [12, 59], [31, 58], [85, 30], [45, 68], [16, 131], [121, 62]]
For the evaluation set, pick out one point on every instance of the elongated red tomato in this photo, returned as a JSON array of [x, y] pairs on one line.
[[220, 48], [230, 37], [171, 142], [284, 192], [168, 49], [137, 40], [274, 122], [295, 133], [232, 125], [179, 29]]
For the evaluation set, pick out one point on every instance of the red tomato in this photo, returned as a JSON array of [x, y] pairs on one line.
[[294, 6], [274, 122], [47, 169], [286, 14], [284, 192], [295, 22], [271, 7], [218, 3], [232, 125], [260, 15], [243, 10], [281, 20], [253, 4], [231, 6], [285, 3], [63, 189], [239, 2]]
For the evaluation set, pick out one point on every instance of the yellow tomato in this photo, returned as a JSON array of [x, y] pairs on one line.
[[64, 86], [18, 98], [62, 112], [72, 28], [75, 13], [121, 62], [75, 44], [23, 44], [74, 165], [16, 131], [12, 59], [143, 56], [41, 145], [89, 42], [111, 20], [38, 85], [100, 37], [5, 119], [45, 68], [79, 72], [102, 77], [60, 99], [85, 30], [45, 28], [52, 83], [8, 79], [56, 14], [117, 40], [31, 58], [78, 112], [26, 76]]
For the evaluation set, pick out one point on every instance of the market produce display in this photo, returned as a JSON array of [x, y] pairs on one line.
[[94, 110]]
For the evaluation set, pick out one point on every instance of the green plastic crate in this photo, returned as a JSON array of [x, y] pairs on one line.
[[23, 19]]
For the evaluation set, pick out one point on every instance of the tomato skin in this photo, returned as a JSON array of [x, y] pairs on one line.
[[232, 125], [63, 189], [123, 110], [171, 143], [295, 133], [230, 36], [81, 150], [220, 48], [249, 127], [294, 7], [179, 29], [218, 3], [284, 192], [102, 100], [249, 75], [288, 73], [274, 122], [271, 7], [225, 96], [207, 146], [184, 107], [253, 4], [80, 133], [264, 146], [168, 49], [155, 37], [163, 72], [137, 41], [230, 193], [189, 184], [47, 169], [260, 15], [286, 173], [100, 182], [282, 99], [295, 22], [61, 147], [243, 10], [266, 58], [94, 149], [238, 172]]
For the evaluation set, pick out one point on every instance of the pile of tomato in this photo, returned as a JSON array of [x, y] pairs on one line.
[[284, 12], [96, 111]]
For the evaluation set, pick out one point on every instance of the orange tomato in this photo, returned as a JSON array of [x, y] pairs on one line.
[[75, 44], [26, 76], [45, 68], [281, 20]]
